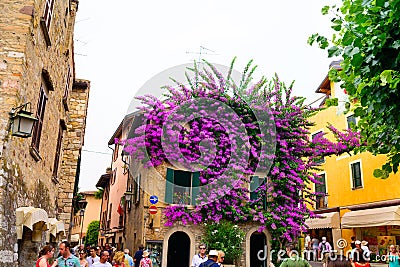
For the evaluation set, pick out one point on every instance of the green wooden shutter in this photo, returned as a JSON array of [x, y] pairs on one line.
[[254, 184], [264, 194], [195, 186], [169, 183]]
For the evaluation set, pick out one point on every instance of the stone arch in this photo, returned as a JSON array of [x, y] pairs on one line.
[[250, 232], [169, 233]]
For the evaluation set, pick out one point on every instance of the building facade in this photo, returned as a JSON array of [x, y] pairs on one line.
[[352, 201], [38, 173], [114, 183], [143, 216], [81, 220]]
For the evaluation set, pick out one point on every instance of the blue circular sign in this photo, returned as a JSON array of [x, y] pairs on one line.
[[153, 199]]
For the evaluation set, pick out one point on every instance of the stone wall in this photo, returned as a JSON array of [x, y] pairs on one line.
[[73, 142], [25, 58]]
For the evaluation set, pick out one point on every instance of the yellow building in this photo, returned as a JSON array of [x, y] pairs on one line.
[[82, 219], [355, 202]]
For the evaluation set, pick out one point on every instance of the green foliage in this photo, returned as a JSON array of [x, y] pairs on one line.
[[92, 233], [225, 236], [367, 38], [99, 193], [332, 102]]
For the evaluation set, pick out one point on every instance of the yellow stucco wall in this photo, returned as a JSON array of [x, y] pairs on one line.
[[338, 172]]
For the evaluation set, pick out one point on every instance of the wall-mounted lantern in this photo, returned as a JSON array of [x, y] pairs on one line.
[[128, 199], [21, 121]]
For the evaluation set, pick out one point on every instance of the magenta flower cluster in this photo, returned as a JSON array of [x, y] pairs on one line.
[[213, 126]]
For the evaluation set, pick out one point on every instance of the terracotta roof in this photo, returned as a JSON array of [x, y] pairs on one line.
[[325, 86], [103, 181]]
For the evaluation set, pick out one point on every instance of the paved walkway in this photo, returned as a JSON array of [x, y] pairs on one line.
[[319, 264]]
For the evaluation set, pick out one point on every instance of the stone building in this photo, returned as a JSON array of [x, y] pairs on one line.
[[38, 174], [170, 245]]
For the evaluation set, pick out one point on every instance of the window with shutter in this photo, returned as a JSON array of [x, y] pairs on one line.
[[255, 192], [320, 190], [321, 159], [45, 21], [58, 152], [66, 89], [41, 107], [182, 187], [356, 175]]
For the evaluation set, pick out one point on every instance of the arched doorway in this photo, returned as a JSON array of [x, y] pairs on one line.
[[178, 250], [258, 241]]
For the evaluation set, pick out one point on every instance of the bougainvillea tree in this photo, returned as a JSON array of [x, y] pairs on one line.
[[229, 132]]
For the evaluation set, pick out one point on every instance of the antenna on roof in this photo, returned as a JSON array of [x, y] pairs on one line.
[[203, 51]]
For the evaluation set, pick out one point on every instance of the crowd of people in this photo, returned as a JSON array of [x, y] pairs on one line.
[[95, 256], [107, 256]]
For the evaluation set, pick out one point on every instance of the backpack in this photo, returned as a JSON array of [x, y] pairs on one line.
[[208, 265], [323, 247]]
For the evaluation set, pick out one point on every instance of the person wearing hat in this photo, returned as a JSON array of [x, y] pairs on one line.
[[325, 250], [366, 251], [212, 259], [146, 261]]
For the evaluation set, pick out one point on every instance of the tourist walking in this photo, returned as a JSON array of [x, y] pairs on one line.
[[128, 258], [393, 257], [119, 259], [221, 258], [46, 253], [200, 257], [325, 250], [104, 256], [358, 259], [315, 243], [138, 255], [146, 261], [294, 259], [82, 259], [212, 259], [92, 257], [67, 259]]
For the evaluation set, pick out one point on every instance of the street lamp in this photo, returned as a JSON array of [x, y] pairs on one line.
[[21, 121], [82, 206], [128, 199]]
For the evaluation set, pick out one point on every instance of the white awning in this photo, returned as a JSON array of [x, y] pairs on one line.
[[56, 227], [34, 218], [74, 238], [327, 220], [372, 217]]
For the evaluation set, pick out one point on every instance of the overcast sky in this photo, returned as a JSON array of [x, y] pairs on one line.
[[121, 44]]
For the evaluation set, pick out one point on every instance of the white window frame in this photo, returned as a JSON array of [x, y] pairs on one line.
[[50, 5]]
